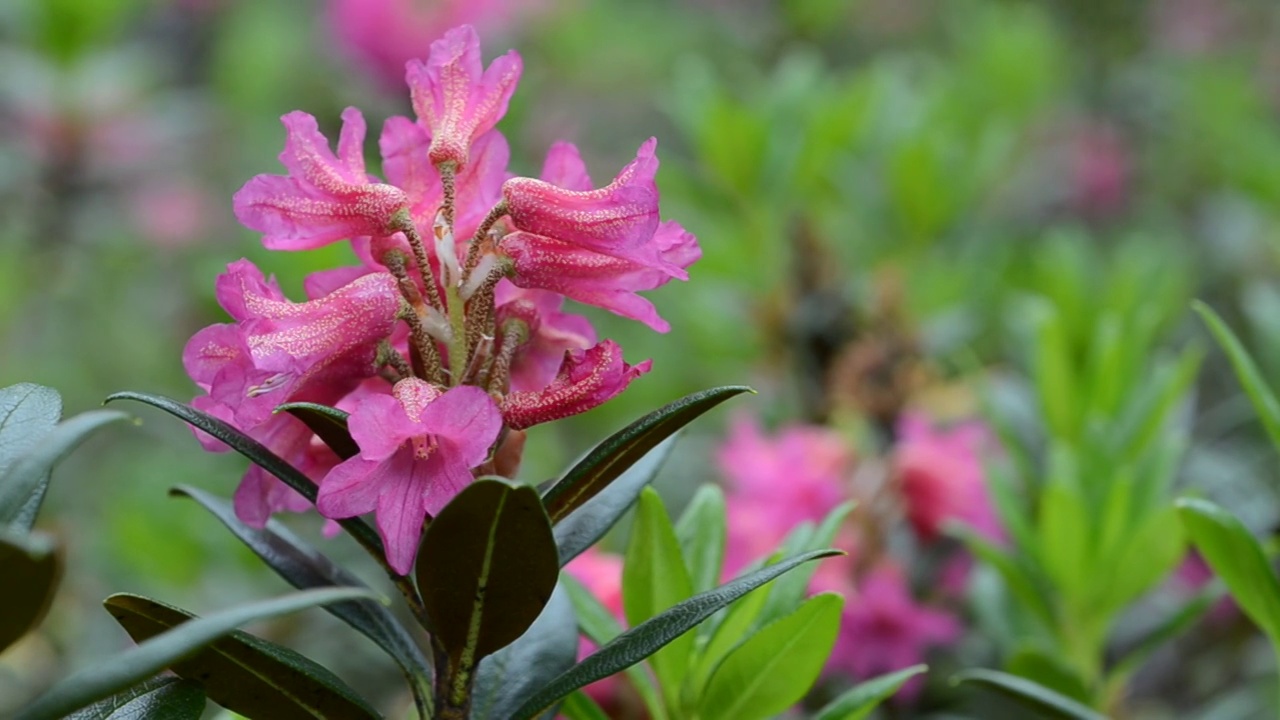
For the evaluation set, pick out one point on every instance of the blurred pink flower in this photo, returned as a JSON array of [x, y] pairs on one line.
[[1192, 575], [601, 574], [172, 213], [885, 629], [941, 476], [1100, 167]]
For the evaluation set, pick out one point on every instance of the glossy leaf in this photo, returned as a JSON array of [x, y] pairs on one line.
[[304, 567], [168, 648], [583, 527], [608, 460], [857, 702], [22, 486], [259, 455], [162, 698], [702, 532], [31, 568], [1264, 400], [654, 578], [773, 669], [1029, 694], [487, 567], [1237, 558], [508, 677], [736, 625], [640, 642], [328, 423]]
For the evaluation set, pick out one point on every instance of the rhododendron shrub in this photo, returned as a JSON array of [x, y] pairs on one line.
[[393, 400]]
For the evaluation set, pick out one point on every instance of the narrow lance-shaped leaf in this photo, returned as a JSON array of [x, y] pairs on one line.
[[773, 669], [702, 531], [857, 702], [304, 567], [259, 455], [328, 423], [31, 570], [1029, 694], [583, 527], [1237, 558], [22, 486], [611, 458], [1264, 400], [148, 658], [162, 698], [640, 642], [486, 569]]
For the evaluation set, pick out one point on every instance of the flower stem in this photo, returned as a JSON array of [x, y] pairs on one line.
[[405, 225], [477, 240]]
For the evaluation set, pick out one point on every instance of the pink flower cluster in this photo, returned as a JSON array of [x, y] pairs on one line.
[[449, 338]]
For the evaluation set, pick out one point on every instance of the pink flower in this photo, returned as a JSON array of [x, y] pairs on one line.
[[941, 476], [601, 574], [455, 98], [280, 351], [323, 198], [586, 379], [417, 449], [618, 220], [884, 629], [551, 331]]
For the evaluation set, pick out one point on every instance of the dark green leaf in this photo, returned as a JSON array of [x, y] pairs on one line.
[[26, 479], [162, 698], [611, 458], [857, 702], [244, 673], [508, 677], [1029, 694], [259, 455], [304, 567], [701, 529], [31, 569], [487, 567], [654, 578], [1264, 400], [148, 658], [328, 423], [586, 525], [28, 412], [640, 642], [773, 669], [1237, 558]]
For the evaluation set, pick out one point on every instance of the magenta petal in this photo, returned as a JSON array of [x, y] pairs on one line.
[[449, 475], [401, 509], [347, 491], [564, 168], [586, 379], [379, 426], [469, 419]]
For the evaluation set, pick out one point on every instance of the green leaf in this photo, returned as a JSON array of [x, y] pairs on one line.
[[640, 642], [1029, 694], [487, 567], [857, 702], [1237, 558], [259, 455], [776, 666], [1049, 668], [738, 621], [31, 568], [702, 531], [601, 627], [28, 412], [654, 578], [579, 706], [328, 423], [608, 460], [583, 527], [789, 591], [23, 484], [304, 567], [1264, 400], [170, 648], [510, 676], [162, 698]]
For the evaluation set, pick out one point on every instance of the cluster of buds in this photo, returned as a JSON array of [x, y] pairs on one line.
[[449, 339]]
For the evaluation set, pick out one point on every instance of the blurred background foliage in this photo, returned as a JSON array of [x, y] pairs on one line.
[[900, 202]]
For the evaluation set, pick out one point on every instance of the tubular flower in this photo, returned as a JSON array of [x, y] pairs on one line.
[[455, 98], [417, 448], [323, 198], [586, 379]]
